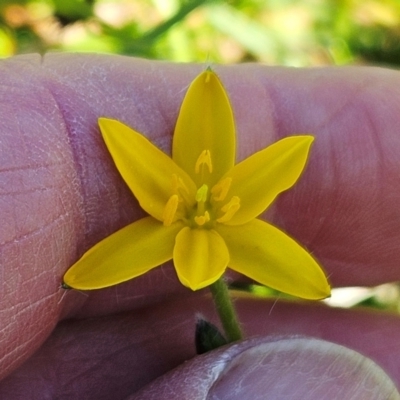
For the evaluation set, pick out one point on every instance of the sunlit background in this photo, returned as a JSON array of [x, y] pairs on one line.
[[275, 32]]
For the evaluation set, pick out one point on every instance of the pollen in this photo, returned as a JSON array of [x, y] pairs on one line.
[[220, 190], [229, 209], [203, 160], [170, 210]]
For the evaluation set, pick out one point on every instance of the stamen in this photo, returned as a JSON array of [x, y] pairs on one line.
[[201, 194], [204, 159], [230, 209], [178, 184], [220, 190], [170, 210], [180, 189], [202, 219]]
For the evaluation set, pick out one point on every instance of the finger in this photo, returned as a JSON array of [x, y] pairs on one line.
[[115, 356], [61, 192], [275, 368]]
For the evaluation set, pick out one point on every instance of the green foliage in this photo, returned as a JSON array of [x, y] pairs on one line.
[[71, 11], [288, 32]]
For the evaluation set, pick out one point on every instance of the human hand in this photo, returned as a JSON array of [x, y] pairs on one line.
[[61, 194]]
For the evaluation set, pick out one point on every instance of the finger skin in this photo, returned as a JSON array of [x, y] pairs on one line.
[[276, 368], [60, 192], [115, 356]]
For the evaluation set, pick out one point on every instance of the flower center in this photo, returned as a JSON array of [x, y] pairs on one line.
[[202, 214], [210, 205]]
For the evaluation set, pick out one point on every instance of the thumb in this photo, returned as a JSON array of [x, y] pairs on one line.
[[278, 368]]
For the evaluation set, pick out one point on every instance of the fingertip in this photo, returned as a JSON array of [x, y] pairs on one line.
[[301, 368], [288, 367]]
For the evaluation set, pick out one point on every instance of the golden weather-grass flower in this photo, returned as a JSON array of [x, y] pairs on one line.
[[202, 207]]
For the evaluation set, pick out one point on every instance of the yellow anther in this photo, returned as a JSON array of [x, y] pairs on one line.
[[170, 210], [204, 159], [202, 219], [178, 184], [234, 201], [220, 190], [230, 209], [201, 194]]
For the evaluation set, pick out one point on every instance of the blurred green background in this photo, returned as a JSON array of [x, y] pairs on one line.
[[285, 32]]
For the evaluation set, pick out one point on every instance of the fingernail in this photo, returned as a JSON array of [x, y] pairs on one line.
[[301, 368]]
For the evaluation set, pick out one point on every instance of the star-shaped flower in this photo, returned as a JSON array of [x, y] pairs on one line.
[[202, 207]]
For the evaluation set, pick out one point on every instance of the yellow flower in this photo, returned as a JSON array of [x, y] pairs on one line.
[[202, 207]]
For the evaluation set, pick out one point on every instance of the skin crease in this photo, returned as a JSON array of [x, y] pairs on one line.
[[60, 194]]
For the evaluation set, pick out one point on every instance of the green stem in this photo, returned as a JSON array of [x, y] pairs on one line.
[[226, 311]]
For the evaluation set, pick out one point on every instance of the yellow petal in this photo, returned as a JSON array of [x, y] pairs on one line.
[[200, 257], [261, 177], [205, 123], [148, 171], [270, 257], [126, 254]]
